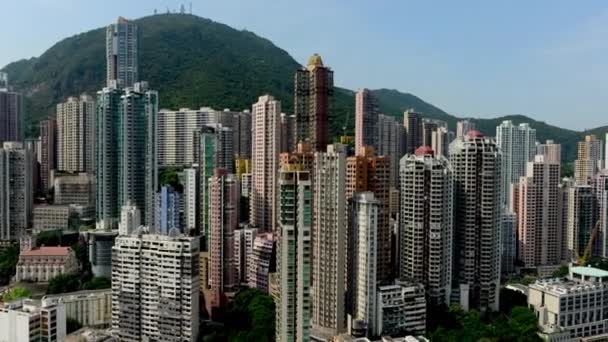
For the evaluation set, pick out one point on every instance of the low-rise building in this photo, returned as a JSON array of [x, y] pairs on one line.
[[576, 304], [51, 217], [27, 320], [260, 263], [92, 308], [75, 189], [42, 264], [401, 307]]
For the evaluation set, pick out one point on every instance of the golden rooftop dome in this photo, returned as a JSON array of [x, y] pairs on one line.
[[315, 61]]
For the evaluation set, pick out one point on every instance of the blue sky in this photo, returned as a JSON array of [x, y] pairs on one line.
[[546, 59]]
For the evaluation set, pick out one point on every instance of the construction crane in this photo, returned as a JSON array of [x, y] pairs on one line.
[[583, 259]]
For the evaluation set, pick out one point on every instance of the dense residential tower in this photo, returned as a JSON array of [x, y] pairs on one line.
[[426, 229], [266, 114], [366, 120], [476, 163], [589, 161], [313, 90], [329, 246], [75, 134], [518, 146], [368, 172], [601, 197], [391, 144], [48, 152], [293, 302], [580, 221], [155, 287], [137, 157], [463, 127], [539, 237], [167, 209], [412, 122], [223, 221], [15, 190], [551, 151], [11, 113], [362, 241], [122, 53]]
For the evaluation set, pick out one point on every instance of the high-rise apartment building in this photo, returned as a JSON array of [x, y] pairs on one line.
[[177, 138], [191, 199], [390, 144], [539, 235], [168, 207], [26, 320], [265, 118], [329, 242], [313, 93], [301, 158], [362, 241], [155, 287], [16, 201], [371, 173], [76, 189], [580, 221], [293, 302], [412, 122], [476, 162], [223, 221], [11, 113], [426, 227], [463, 127], [106, 158], [122, 53], [137, 157], [214, 151], [48, 149], [508, 243], [601, 198], [287, 133], [589, 161], [366, 120], [440, 141], [260, 262], [518, 146], [401, 307], [75, 134], [551, 151]]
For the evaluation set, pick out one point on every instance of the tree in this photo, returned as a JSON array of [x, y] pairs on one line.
[[97, 283], [16, 293], [63, 283], [49, 238], [561, 272], [8, 263]]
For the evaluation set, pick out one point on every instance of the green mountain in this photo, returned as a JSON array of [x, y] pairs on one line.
[[196, 62]]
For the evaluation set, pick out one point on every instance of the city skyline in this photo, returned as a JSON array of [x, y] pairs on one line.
[[480, 63]]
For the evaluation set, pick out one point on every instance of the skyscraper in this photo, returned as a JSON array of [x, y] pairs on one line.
[[366, 120], [551, 151], [266, 114], [580, 221], [329, 242], [16, 191], [518, 147], [155, 287], [11, 113], [440, 141], [589, 161], [214, 151], [391, 144], [538, 214], [371, 173], [287, 133], [137, 157], [426, 228], [168, 206], [191, 199], [476, 162], [362, 241], [293, 303], [75, 134], [463, 127], [48, 147], [412, 122], [313, 89], [601, 197], [106, 158], [223, 221], [508, 242], [260, 263], [122, 53]]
